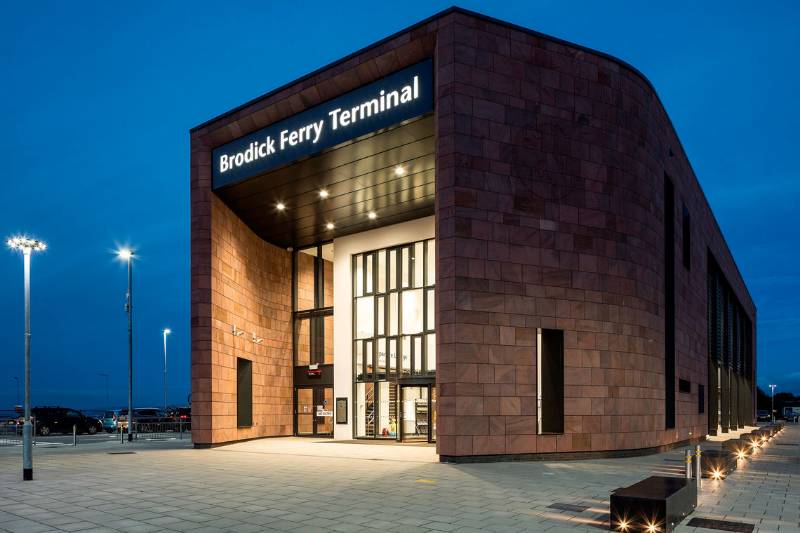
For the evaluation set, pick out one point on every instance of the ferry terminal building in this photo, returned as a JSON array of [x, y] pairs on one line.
[[468, 233]]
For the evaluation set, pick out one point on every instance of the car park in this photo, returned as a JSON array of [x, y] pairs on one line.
[[110, 420], [143, 415], [48, 420]]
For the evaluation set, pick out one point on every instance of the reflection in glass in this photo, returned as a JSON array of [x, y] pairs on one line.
[[358, 274], [327, 270], [392, 269], [328, 348], [365, 409], [419, 263], [382, 358], [381, 310], [368, 261], [303, 341], [405, 267], [359, 360], [393, 314], [431, 263], [365, 317], [385, 411], [382, 271], [412, 311], [406, 355], [393, 356], [430, 340], [305, 280], [431, 303]]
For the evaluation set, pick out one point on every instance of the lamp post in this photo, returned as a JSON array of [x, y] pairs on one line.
[[772, 401], [27, 247], [105, 376], [166, 332], [126, 254]]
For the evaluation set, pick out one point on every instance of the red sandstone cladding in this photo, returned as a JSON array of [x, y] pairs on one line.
[[550, 167]]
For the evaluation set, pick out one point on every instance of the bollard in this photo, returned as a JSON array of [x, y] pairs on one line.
[[688, 460], [74, 435], [34, 432], [697, 453], [180, 425], [121, 436]]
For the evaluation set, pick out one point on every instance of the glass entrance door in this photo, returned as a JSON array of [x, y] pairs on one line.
[[417, 413], [314, 411]]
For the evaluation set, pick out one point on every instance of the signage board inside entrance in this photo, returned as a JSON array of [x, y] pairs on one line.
[[403, 95]]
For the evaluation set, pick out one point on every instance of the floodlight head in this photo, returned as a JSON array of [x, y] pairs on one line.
[[126, 254], [26, 244], [167, 331]]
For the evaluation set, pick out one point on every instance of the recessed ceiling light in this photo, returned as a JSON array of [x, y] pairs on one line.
[[329, 225], [280, 206], [399, 170], [372, 215], [323, 193]]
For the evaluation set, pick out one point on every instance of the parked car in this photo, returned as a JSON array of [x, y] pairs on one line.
[[49, 420], [143, 415], [182, 415], [762, 415], [110, 420]]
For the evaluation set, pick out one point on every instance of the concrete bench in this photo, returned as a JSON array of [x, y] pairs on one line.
[[739, 448], [717, 464], [657, 503]]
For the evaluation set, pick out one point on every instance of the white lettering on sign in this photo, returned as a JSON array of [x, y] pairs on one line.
[[312, 133]]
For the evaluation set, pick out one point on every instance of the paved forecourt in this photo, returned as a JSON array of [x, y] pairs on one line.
[[308, 485]]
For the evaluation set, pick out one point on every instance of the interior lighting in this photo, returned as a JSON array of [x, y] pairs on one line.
[[323, 193], [372, 215], [280, 206], [399, 170], [329, 225]]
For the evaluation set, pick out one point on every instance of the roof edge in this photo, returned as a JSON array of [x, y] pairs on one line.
[[428, 20]]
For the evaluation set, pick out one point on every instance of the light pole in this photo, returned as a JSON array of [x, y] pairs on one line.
[[105, 376], [27, 247], [17, 380], [772, 401], [126, 254], [166, 332]]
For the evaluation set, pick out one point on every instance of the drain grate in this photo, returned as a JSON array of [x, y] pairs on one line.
[[573, 508], [721, 525], [120, 453]]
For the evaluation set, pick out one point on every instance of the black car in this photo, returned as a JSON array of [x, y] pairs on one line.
[[49, 420]]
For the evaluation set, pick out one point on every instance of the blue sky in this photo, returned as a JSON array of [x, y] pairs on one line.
[[97, 99]]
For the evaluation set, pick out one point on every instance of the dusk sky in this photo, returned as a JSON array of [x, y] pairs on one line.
[[97, 99]]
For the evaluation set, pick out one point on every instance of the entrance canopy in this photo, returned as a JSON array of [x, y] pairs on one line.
[[389, 173]]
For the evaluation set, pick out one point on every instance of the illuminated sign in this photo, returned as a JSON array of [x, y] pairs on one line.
[[403, 95]]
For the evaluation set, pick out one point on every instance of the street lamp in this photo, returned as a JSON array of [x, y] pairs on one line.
[[126, 254], [27, 247], [772, 410], [166, 332], [105, 376]]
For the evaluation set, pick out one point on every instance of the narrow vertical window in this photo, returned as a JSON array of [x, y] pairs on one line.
[[244, 392], [550, 380], [701, 399], [669, 303]]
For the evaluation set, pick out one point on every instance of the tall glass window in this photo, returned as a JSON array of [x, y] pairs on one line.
[[393, 330]]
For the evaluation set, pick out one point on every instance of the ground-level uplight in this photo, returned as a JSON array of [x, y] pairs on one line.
[[716, 474], [27, 247]]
